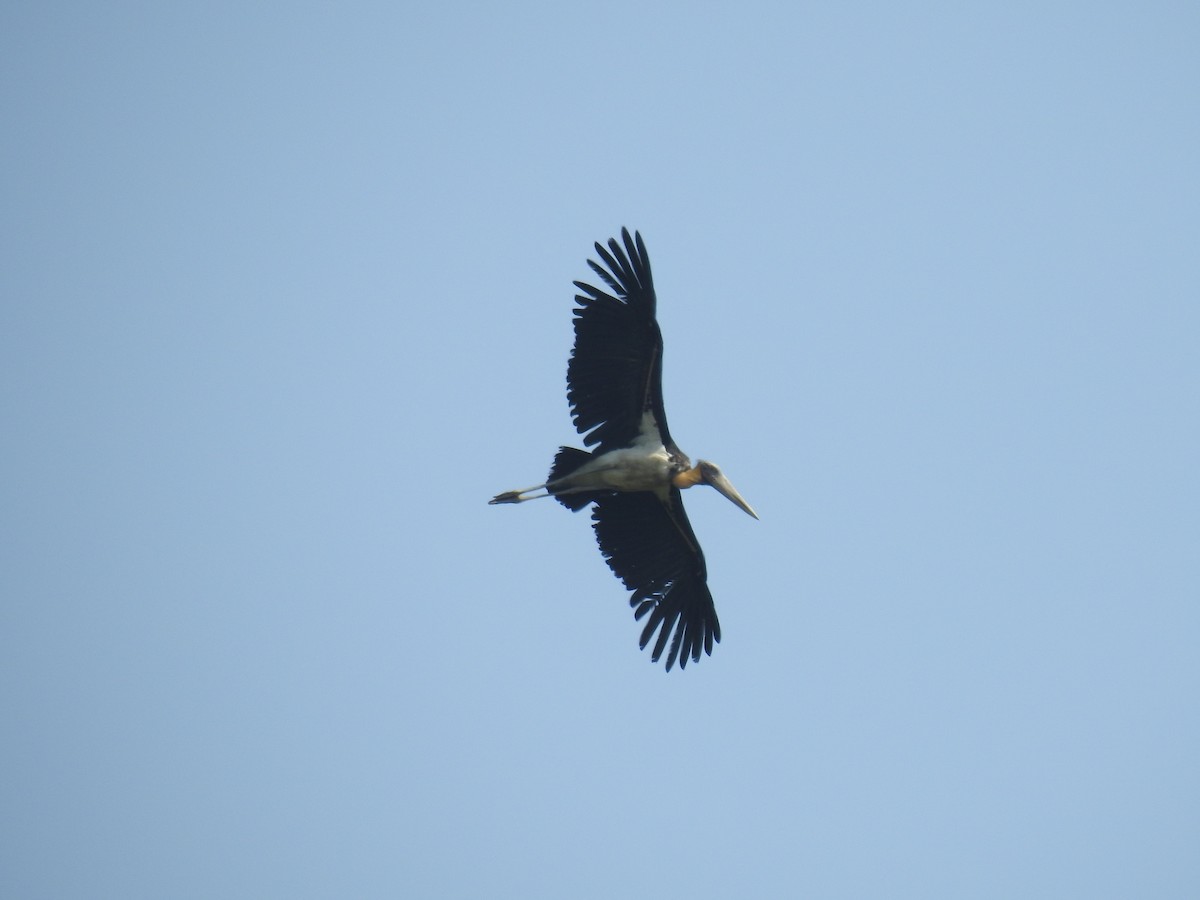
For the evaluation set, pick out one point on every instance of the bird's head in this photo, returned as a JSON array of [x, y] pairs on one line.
[[711, 474]]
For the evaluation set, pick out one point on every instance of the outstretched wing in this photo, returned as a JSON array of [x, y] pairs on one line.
[[615, 373], [651, 547]]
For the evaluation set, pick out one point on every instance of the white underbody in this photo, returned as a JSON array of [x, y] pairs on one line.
[[645, 466]]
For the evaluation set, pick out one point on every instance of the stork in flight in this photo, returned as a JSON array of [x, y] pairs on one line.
[[635, 473]]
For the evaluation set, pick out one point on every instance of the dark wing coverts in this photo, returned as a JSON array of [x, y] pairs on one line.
[[651, 547], [615, 372]]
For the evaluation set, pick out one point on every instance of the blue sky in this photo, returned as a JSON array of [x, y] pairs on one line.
[[286, 299]]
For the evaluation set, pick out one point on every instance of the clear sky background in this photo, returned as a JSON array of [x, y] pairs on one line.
[[287, 297]]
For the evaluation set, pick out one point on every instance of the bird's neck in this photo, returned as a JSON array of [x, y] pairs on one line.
[[687, 478]]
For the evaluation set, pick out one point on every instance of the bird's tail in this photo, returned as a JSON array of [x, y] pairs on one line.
[[566, 461]]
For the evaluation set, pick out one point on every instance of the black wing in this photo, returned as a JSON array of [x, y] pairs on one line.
[[651, 547], [615, 373]]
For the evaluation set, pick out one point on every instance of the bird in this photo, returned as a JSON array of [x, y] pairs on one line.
[[634, 473]]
